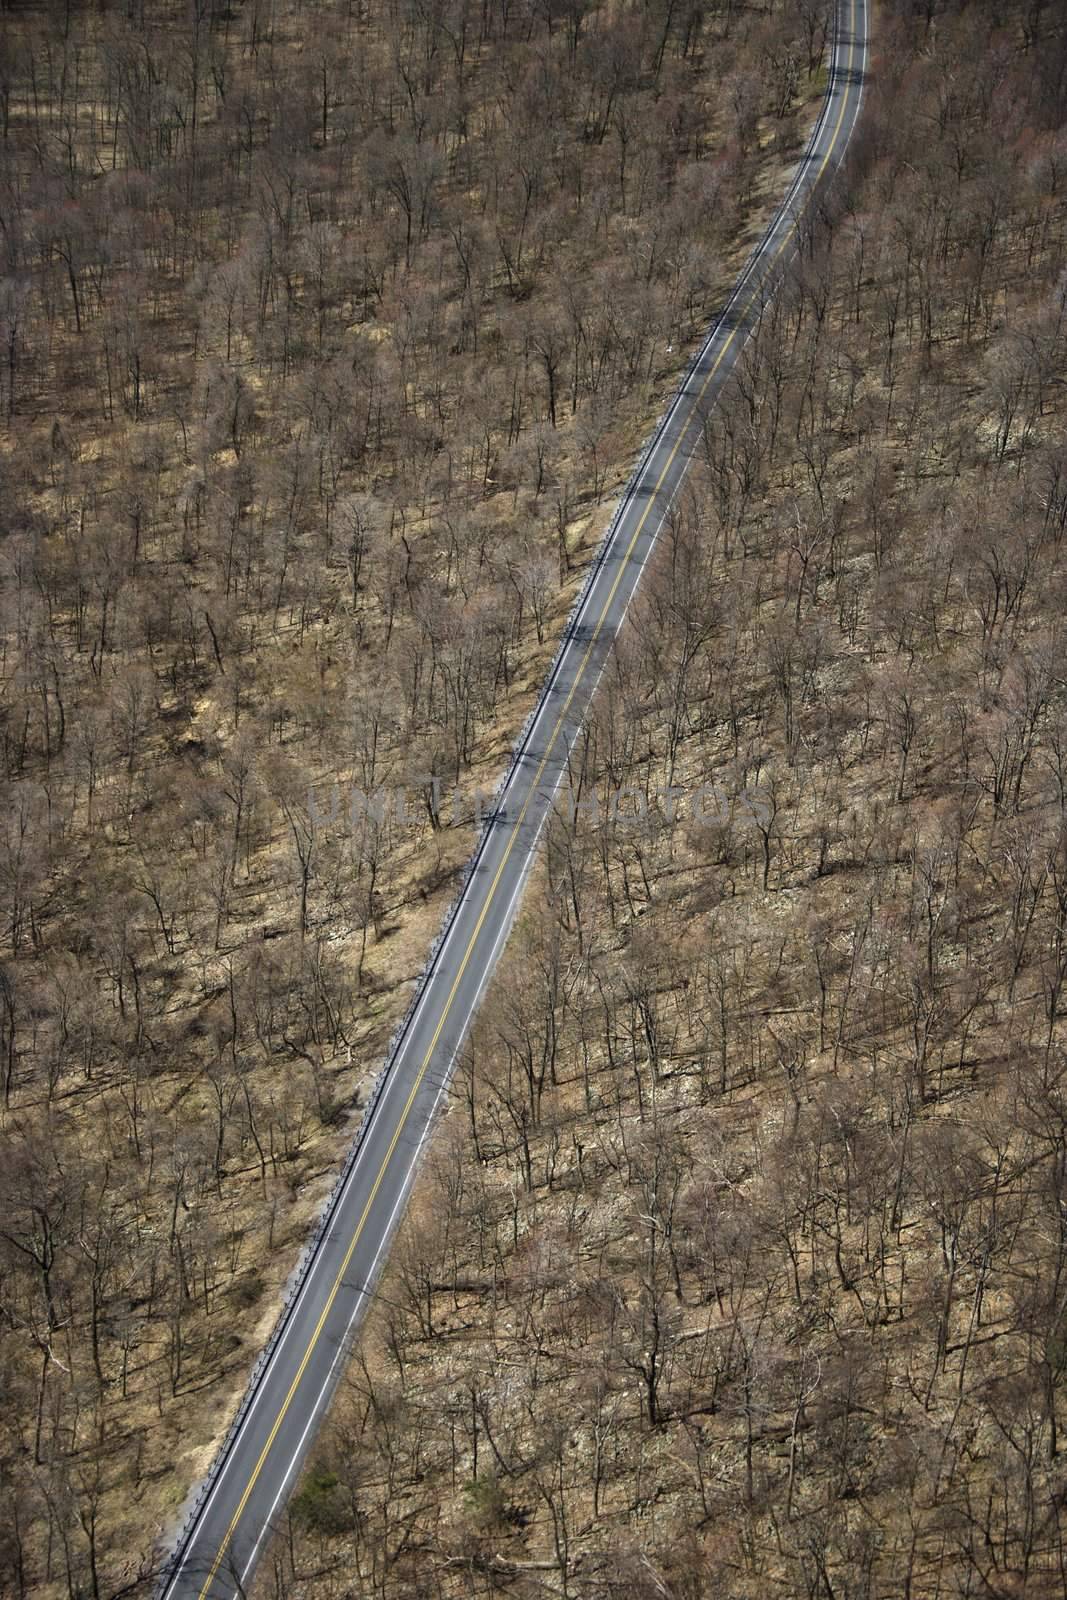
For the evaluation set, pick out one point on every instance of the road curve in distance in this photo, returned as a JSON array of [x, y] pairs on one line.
[[254, 1472]]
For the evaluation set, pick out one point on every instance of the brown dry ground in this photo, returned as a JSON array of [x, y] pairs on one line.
[[738, 1267], [184, 1067]]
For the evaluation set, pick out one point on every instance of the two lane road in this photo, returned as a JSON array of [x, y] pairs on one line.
[[255, 1471]]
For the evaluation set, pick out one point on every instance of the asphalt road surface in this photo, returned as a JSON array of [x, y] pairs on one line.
[[219, 1548]]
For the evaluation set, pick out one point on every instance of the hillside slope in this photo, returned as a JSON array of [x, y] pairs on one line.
[[313, 394], [739, 1266]]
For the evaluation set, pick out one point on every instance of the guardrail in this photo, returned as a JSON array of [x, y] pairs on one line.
[[298, 1276]]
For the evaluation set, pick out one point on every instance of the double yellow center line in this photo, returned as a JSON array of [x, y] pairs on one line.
[[533, 789]]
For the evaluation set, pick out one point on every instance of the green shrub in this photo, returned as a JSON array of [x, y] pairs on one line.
[[486, 1505], [321, 1505]]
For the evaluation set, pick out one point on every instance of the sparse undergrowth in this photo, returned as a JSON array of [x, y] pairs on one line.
[[325, 333], [738, 1267]]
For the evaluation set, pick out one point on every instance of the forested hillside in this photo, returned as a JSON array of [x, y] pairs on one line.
[[326, 334], [740, 1264]]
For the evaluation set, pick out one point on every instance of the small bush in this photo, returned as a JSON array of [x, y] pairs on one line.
[[320, 1506]]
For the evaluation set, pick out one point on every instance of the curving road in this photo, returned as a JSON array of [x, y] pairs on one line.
[[279, 1416]]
